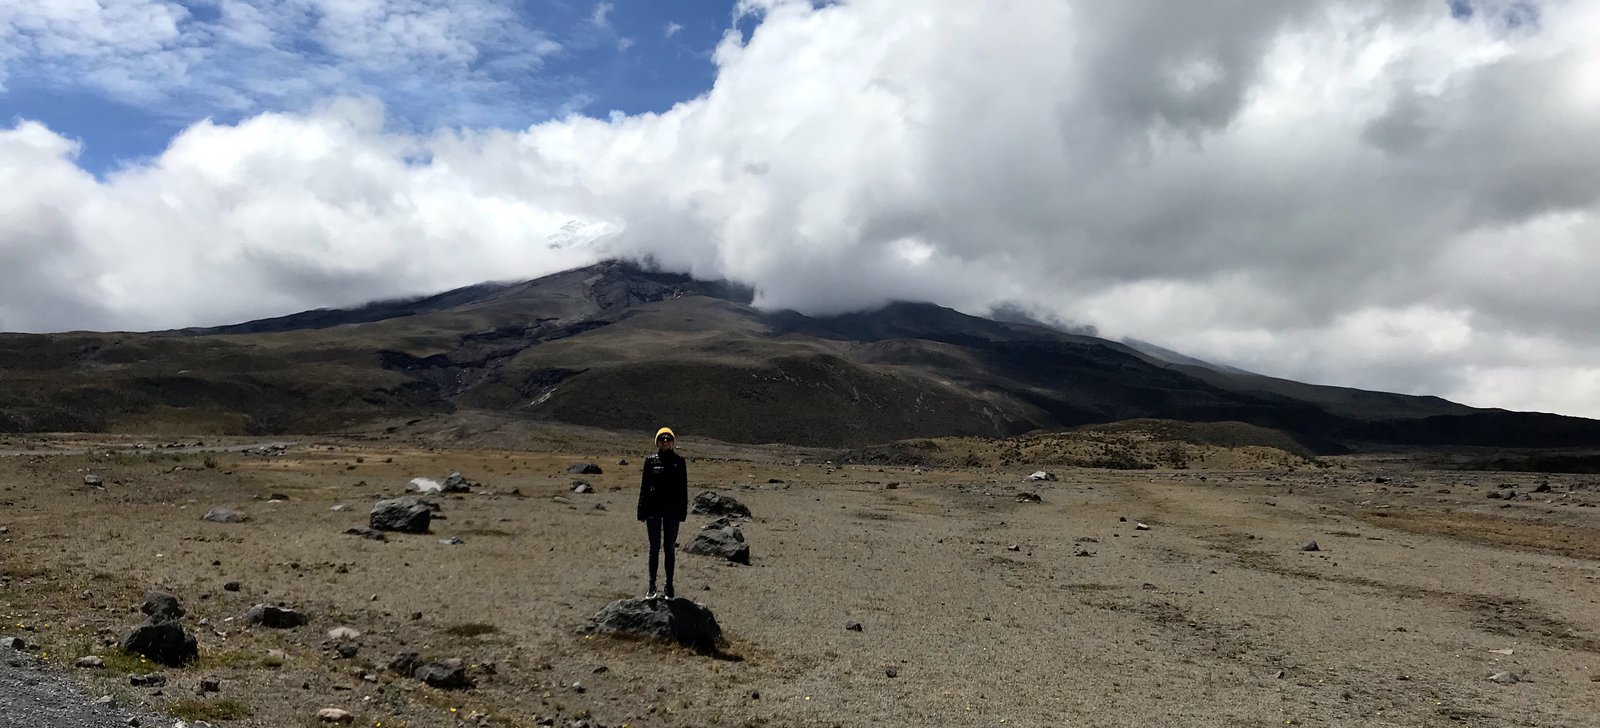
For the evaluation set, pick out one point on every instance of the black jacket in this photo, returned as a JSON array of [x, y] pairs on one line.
[[664, 487]]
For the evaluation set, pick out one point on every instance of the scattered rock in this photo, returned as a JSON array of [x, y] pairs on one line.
[[1140, 527], [578, 687], [347, 650], [343, 634], [232, 586], [1543, 488], [16, 643], [1310, 546], [581, 487], [405, 663], [1026, 497], [1083, 553], [623, 461], [774, 481], [455, 483], [160, 637], [267, 615], [152, 680], [1040, 475], [1505, 678], [277, 497], [406, 515], [162, 607], [584, 469], [224, 515], [452, 541], [94, 481], [1014, 547], [445, 674], [599, 506], [891, 672], [424, 486], [1494, 495], [369, 533], [674, 620], [716, 504], [339, 508], [726, 542], [210, 685], [853, 626], [90, 662], [335, 715]]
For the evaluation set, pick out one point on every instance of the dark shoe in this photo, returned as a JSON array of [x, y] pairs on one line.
[[669, 591], [651, 593]]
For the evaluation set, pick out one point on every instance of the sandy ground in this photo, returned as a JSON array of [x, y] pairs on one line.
[[976, 609]]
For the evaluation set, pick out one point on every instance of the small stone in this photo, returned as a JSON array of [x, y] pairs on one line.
[[452, 541], [1013, 547], [1310, 546], [584, 469], [151, 680], [94, 481], [275, 617], [339, 508], [891, 672], [581, 487], [335, 715], [105, 700], [232, 586], [1278, 674], [367, 533], [853, 626], [277, 497], [16, 643], [1505, 678], [578, 687], [1122, 519], [347, 650], [338, 634], [1083, 553], [210, 685], [90, 662]]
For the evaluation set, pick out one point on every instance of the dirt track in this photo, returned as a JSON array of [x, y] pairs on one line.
[[1212, 617]]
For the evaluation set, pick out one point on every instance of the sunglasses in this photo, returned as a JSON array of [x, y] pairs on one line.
[[664, 438]]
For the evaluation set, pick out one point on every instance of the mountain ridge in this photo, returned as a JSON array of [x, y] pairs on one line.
[[621, 346]]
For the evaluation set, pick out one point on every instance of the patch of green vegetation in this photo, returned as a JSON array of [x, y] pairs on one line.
[[471, 629], [193, 709], [118, 660]]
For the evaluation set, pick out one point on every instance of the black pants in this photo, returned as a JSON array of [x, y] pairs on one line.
[[658, 527]]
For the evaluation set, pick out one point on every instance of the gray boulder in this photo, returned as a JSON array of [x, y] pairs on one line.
[[584, 469], [406, 515], [716, 504], [224, 515], [672, 620], [267, 615], [726, 542], [445, 674]]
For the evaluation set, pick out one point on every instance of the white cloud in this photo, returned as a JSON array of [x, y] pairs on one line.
[[443, 60], [600, 18], [671, 29], [1365, 192]]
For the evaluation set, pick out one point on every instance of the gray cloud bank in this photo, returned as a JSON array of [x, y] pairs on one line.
[[1378, 193]]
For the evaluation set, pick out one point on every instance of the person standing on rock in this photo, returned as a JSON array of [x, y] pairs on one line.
[[663, 503]]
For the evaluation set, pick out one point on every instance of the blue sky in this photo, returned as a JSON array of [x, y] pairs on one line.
[[124, 95]]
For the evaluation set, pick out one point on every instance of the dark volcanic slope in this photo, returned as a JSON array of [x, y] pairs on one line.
[[615, 346]]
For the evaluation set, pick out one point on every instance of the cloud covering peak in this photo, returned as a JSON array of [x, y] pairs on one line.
[[1388, 194]]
